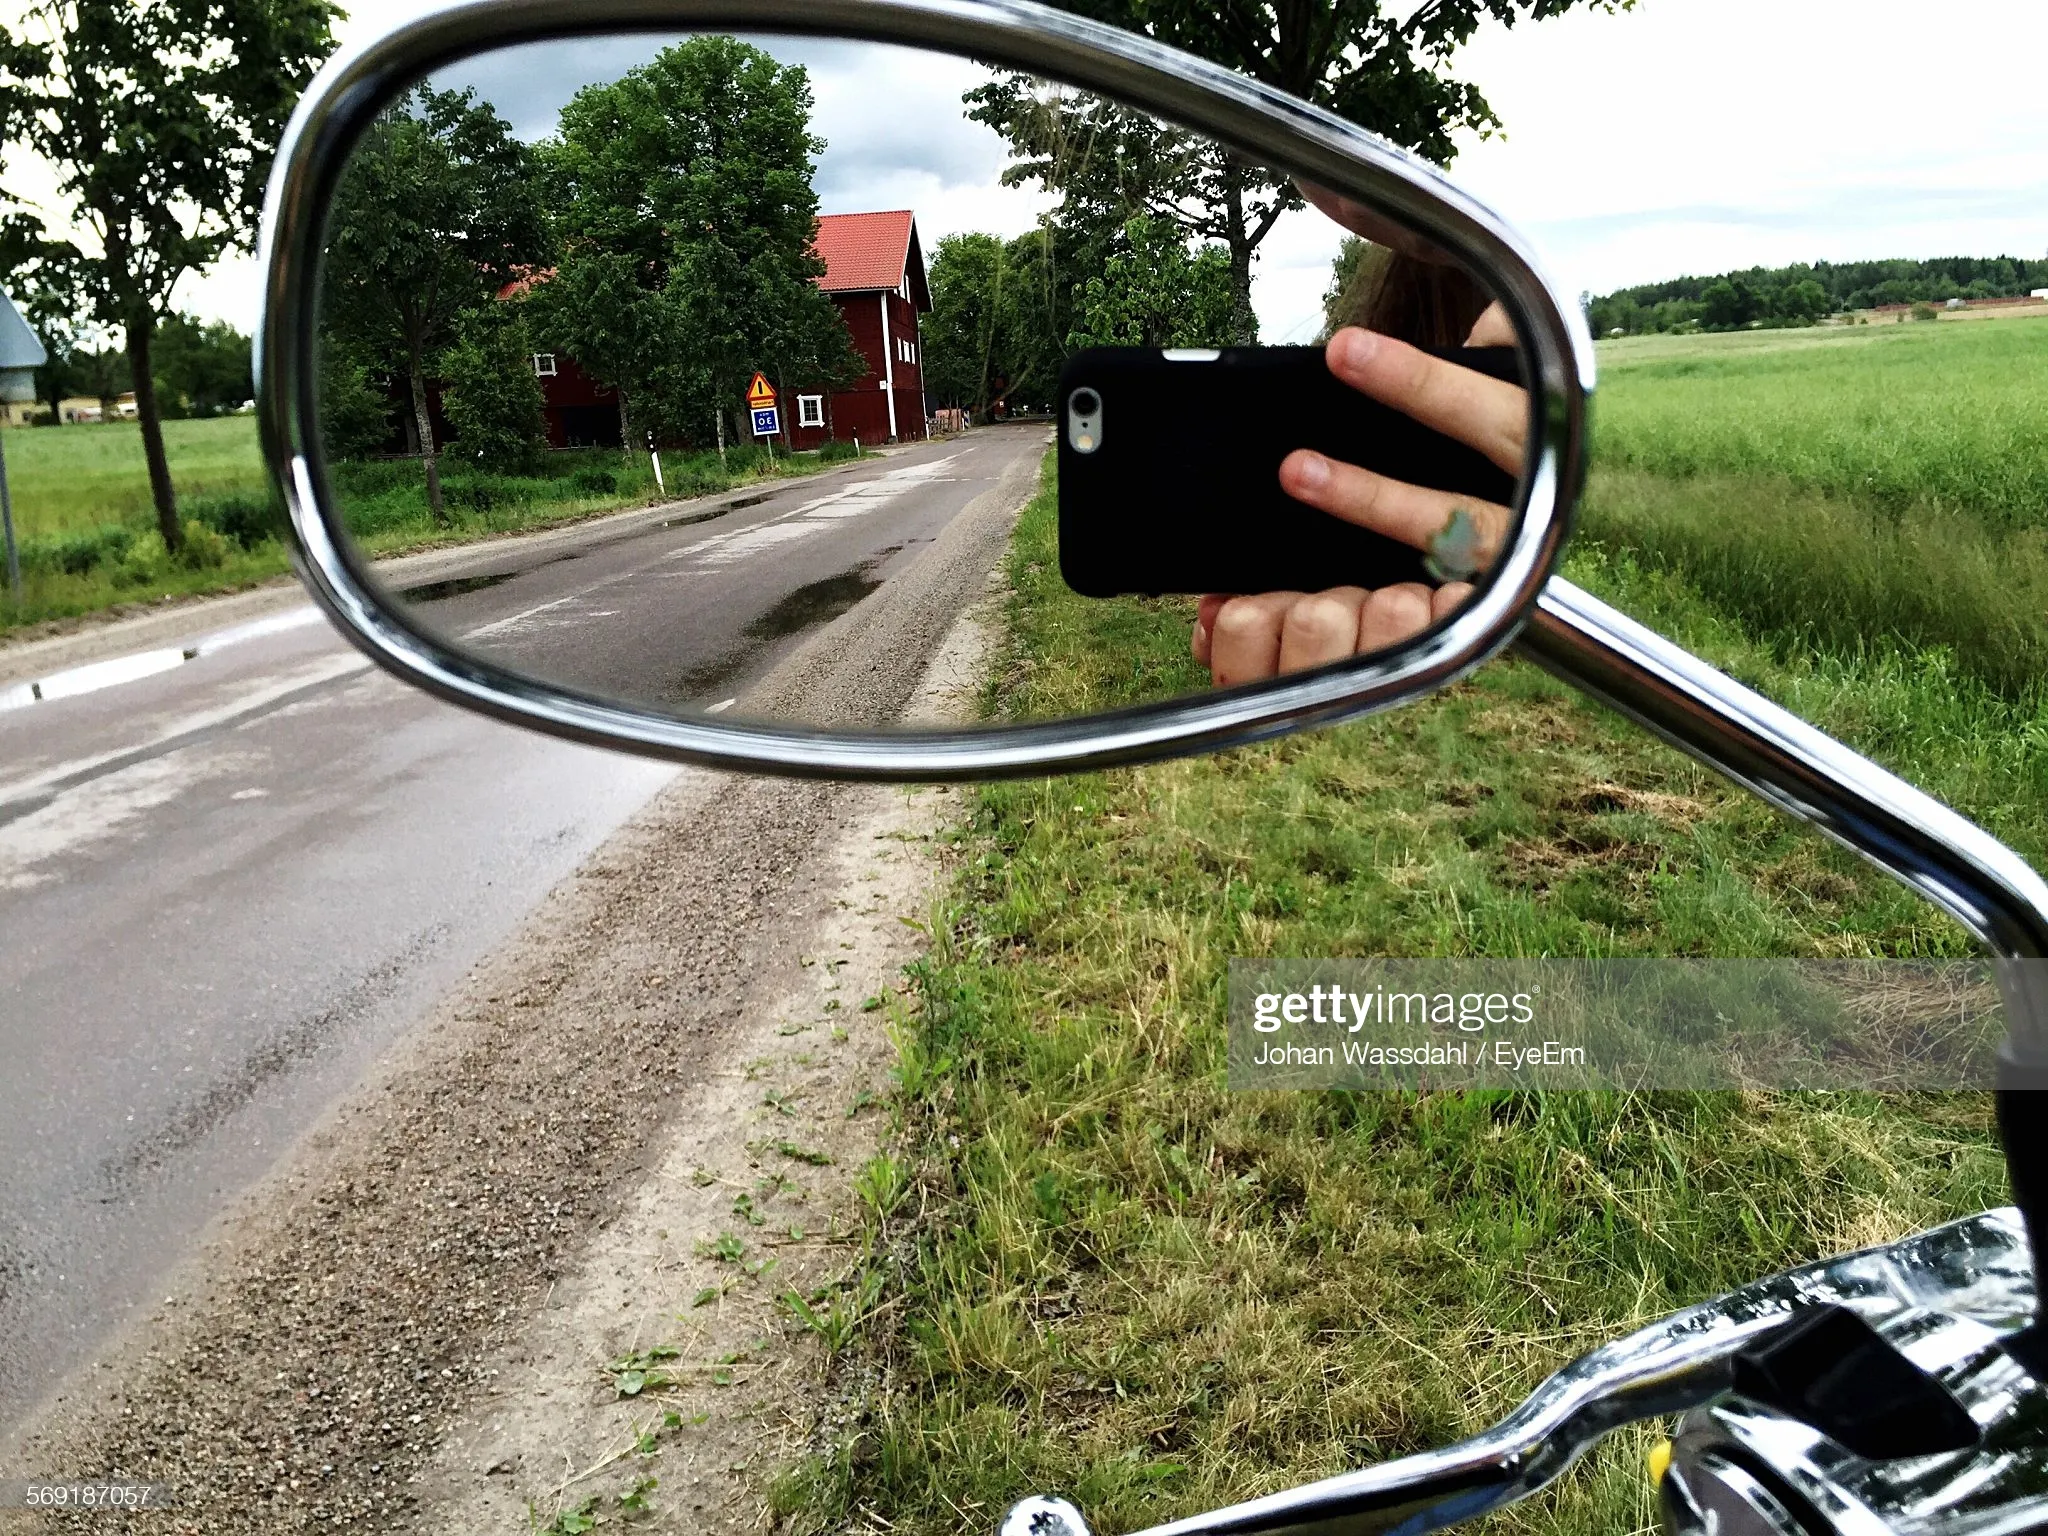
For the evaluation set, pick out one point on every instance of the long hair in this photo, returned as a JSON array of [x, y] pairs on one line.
[[1424, 303]]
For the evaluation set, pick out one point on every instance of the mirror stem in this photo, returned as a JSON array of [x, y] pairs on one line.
[[1908, 834]]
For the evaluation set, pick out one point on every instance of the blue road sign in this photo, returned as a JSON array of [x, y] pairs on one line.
[[766, 422]]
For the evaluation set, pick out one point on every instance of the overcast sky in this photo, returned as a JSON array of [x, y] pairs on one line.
[[1685, 136]]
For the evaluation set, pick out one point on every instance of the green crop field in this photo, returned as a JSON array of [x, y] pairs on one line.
[[1936, 417], [69, 480], [1104, 1275]]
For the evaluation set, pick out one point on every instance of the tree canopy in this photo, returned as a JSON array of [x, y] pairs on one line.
[[1802, 294], [685, 221], [439, 210]]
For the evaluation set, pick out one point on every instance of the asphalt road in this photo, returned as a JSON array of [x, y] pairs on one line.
[[230, 881], [690, 614]]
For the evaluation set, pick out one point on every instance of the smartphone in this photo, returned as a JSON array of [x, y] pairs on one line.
[[1169, 466]]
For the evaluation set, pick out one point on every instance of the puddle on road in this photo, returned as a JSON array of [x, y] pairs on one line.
[[819, 602], [436, 591], [694, 518]]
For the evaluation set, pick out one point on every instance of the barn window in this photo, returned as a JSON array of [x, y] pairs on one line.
[[544, 364], [810, 410]]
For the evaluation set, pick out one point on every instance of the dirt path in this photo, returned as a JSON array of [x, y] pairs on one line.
[[430, 1287]]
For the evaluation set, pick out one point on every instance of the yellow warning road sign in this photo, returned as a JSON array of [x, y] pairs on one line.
[[760, 394]]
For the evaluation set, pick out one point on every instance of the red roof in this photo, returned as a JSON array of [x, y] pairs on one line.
[[864, 250]]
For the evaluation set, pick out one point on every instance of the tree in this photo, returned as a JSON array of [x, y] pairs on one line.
[[1728, 304], [1110, 164], [1345, 274], [492, 398], [684, 202], [1384, 64], [1158, 293], [999, 321], [438, 212], [160, 118], [969, 331], [201, 369], [355, 414]]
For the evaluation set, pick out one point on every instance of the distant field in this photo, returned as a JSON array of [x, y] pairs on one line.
[[70, 479], [1937, 417]]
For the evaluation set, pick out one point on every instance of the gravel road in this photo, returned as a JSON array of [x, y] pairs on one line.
[[326, 1336]]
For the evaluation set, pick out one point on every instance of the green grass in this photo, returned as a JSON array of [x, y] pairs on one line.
[[86, 523], [1947, 418], [1125, 1284], [69, 480], [1844, 489]]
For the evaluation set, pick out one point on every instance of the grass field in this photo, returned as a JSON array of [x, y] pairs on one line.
[[87, 526], [70, 480], [1112, 1279]]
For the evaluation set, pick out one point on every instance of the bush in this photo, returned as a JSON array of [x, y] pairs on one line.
[[77, 554], [144, 560], [492, 399], [203, 548], [248, 520], [1925, 312], [592, 481], [837, 449]]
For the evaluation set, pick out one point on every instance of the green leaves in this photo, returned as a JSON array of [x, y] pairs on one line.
[[683, 195]]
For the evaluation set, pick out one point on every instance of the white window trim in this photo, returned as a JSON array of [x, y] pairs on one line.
[[810, 410], [544, 372]]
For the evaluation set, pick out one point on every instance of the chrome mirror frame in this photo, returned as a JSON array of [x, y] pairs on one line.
[[1242, 113]]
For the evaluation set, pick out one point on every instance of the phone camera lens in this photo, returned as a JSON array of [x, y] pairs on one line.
[[1086, 402]]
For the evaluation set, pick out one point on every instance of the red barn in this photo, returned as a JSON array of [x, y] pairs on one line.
[[874, 272]]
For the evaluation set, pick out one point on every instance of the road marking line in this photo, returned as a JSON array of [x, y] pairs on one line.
[[721, 706], [269, 692]]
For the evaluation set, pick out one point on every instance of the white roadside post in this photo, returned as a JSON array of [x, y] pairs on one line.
[[21, 354], [654, 454]]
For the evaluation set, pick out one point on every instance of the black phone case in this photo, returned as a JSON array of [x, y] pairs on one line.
[[1183, 493]]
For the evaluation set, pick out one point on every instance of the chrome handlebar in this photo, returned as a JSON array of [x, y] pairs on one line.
[[1948, 1297]]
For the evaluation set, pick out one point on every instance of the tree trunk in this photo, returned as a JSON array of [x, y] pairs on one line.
[[1245, 322], [423, 423], [625, 425], [719, 415], [140, 334]]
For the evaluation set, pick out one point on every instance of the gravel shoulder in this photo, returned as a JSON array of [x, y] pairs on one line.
[[430, 1285]]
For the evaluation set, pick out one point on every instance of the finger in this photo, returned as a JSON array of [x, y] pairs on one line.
[[1321, 628], [1448, 599], [1392, 615], [1413, 514], [1480, 412], [1492, 329], [1205, 624], [1244, 642]]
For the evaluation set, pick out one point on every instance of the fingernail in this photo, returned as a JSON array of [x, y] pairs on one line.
[[1354, 348], [1311, 470]]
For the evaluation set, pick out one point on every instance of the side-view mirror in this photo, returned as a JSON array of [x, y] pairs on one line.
[[808, 317], [736, 348]]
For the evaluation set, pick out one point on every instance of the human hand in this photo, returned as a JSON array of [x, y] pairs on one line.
[[1246, 638]]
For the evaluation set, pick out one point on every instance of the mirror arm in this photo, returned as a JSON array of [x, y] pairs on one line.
[[1908, 834]]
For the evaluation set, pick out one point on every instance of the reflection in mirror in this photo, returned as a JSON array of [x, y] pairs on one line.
[[755, 374]]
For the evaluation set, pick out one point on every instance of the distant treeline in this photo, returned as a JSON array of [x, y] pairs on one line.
[[1805, 295]]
